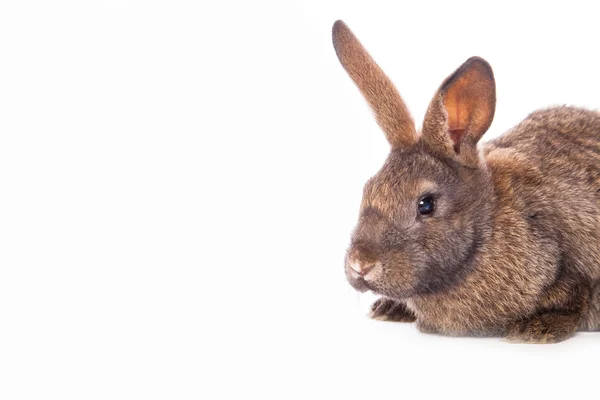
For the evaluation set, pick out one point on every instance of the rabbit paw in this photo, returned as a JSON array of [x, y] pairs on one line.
[[543, 328], [391, 310]]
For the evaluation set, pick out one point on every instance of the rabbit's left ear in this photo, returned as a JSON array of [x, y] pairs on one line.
[[461, 112], [379, 91]]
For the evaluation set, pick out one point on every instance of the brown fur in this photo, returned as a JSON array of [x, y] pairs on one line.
[[390, 111], [513, 247]]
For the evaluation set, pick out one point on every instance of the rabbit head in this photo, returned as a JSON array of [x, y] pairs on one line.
[[424, 214]]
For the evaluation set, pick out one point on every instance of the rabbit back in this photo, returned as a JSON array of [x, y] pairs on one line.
[[557, 184]]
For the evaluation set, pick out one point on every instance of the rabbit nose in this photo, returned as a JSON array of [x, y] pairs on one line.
[[361, 269]]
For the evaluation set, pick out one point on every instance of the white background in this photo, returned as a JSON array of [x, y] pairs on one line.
[[178, 182]]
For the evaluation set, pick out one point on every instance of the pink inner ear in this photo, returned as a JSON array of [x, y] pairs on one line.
[[458, 113], [456, 134]]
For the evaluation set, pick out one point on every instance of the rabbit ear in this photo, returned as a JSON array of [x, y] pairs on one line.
[[461, 111], [390, 112]]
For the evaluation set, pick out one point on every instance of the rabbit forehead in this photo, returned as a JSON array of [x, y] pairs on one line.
[[403, 179]]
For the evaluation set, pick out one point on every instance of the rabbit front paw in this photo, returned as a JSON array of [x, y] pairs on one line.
[[385, 309]]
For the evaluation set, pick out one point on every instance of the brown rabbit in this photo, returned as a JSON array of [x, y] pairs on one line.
[[500, 240]]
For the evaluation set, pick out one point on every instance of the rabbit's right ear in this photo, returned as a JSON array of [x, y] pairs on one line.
[[461, 112], [390, 112]]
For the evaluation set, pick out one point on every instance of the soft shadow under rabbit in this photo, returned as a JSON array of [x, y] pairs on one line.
[[497, 240]]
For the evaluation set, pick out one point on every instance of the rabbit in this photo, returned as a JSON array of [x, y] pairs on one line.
[[496, 240]]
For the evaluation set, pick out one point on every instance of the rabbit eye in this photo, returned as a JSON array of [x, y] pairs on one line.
[[426, 205]]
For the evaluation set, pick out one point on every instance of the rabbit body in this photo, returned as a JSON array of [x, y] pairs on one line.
[[543, 251]]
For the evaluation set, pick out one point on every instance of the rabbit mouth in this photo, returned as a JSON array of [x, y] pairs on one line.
[[378, 287], [359, 284], [362, 285]]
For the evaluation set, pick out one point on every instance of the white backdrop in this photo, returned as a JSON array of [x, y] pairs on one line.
[[178, 182]]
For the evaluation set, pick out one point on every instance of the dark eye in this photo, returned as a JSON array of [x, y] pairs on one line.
[[426, 205]]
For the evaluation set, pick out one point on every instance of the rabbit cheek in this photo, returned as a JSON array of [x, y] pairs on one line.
[[399, 279], [443, 254]]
